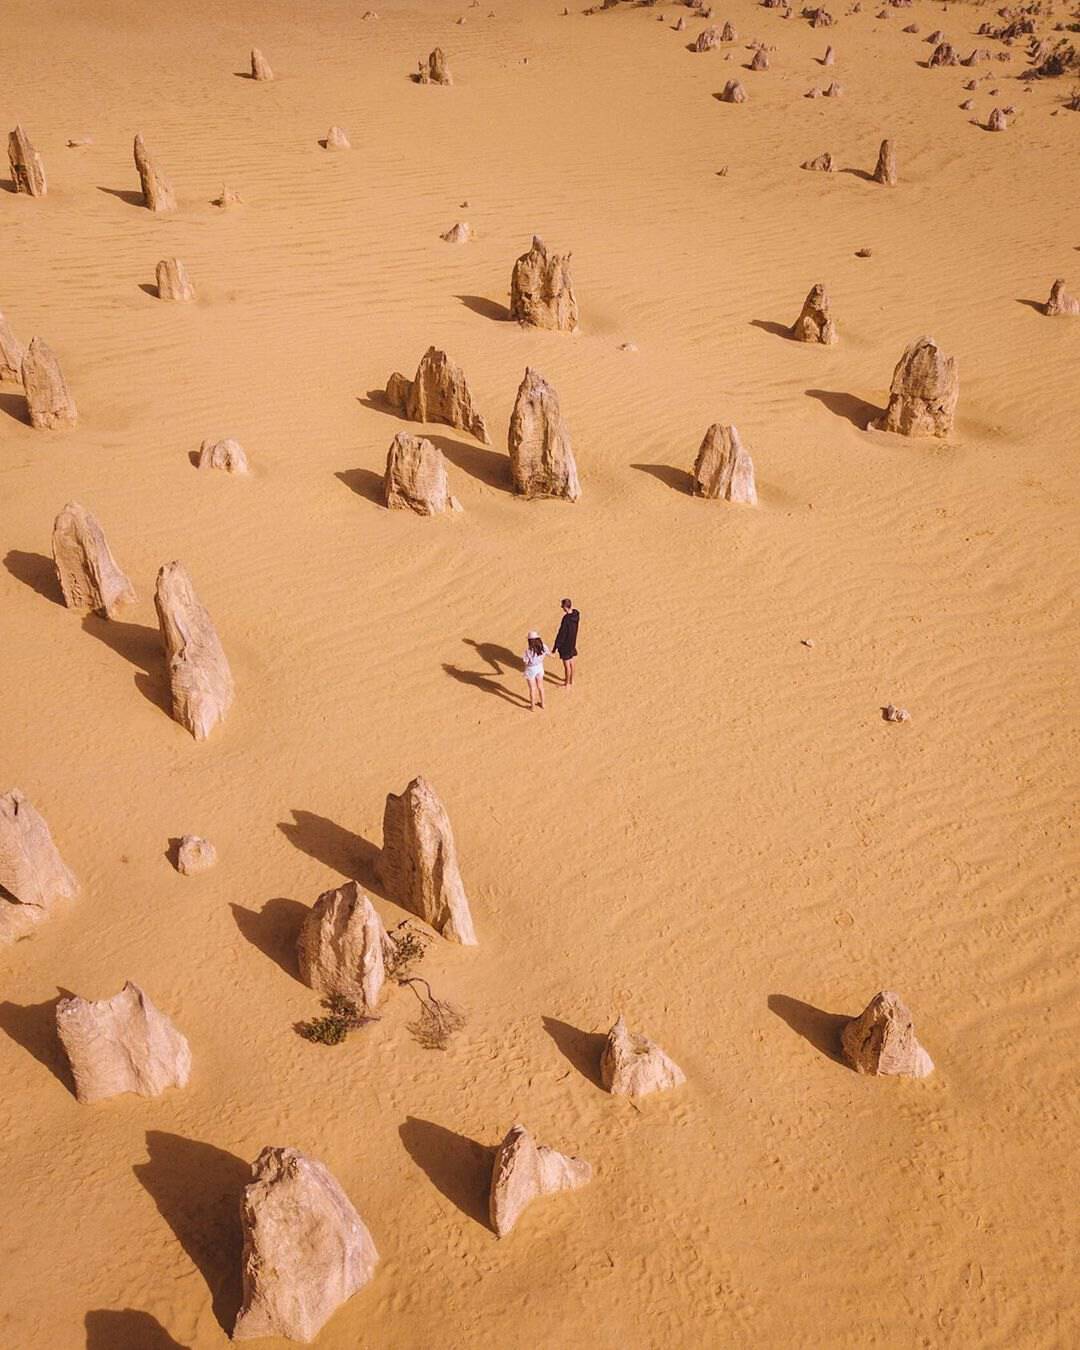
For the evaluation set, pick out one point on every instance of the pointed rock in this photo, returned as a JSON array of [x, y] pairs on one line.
[[157, 190], [87, 571], [541, 456], [340, 947], [728, 33], [997, 121], [733, 93], [26, 169], [1060, 301], [760, 60], [886, 165], [337, 140], [33, 876], [195, 855], [460, 233], [418, 864], [943, 55], [723, 468], [121, 1044], [524, 1170], [306, 1249], [633, 1066], [542, 290], [227, 455], [415, 478], [199, 676], [833, 91], [707, 39], [434, 70], [924, 392], [881, 1040], [829, 58], [437, 394], [815, 323], [11, 353], [173, 282], [822, 164], [48, 398], [260, 66]]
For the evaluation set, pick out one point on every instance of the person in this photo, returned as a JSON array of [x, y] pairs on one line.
[[566, 641], [533, 661]]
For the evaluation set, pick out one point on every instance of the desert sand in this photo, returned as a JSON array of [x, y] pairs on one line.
[[715, 834]]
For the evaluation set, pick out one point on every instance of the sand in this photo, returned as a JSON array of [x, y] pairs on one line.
[[715, 833]]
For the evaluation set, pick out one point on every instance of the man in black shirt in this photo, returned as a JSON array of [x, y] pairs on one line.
[[566, 641]]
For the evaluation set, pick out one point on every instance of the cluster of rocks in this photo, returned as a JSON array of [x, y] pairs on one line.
[[434, 70]]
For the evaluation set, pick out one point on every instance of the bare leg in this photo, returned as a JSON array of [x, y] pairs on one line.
[[566, 672], [532, 692], [540, 692], [569, 665]]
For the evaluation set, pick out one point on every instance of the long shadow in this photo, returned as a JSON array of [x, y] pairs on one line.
[[273, 930], [497, 657], [337, 848], [860, 173], [197, 1189], [456, 1165], [127, 1329], [15, 407], [821, 1029], [37, 572], [376, 400], [476, 679], [150, 288], [581, 1048], [857, 411], [128, 195], [141, 645], [782, 330], [8, 184], [365, 483], [487, 466], [676, 479], [487, 309], [1039, 306], [33, 1026]]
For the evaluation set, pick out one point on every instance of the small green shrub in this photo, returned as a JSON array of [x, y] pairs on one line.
[[342, 1016]]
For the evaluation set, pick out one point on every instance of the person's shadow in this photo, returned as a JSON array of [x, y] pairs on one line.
[[497, 657], [498, 660]]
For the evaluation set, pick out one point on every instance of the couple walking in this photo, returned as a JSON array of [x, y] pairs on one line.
[[565, 647]]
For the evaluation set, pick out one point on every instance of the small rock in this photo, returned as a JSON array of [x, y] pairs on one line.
[[1060, 301], [733, 92], [260, 66], [227, 199], [524, 1170], [997, 121], [227, 455], [881, 1040], [807, 642], [173, 282], [195, 855], [32, 873], [337, 140], [415, 478], [821, 164], [633, 1066], [891, 713], [886, 165], [460, 233], [864, 253], [815, 323]]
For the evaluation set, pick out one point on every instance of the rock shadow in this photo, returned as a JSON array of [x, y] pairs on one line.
[[197, 1188], [142, 646], [8, 184], [679, 480], [128, 195], [487, 309], [1039, 306], [15, 407], [479, 679], [273, 930], [150, 288], [457, 1166], [33, 1027], [821, 1029], [36, 571], [581, 1048], [365, 483], [127, 1329], [487, 466], [857, 411], [860, 173], [782, 330], [335, 847]]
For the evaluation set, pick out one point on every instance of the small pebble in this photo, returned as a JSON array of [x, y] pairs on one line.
[[892, 713]]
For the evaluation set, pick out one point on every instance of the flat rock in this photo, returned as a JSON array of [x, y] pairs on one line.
[[418, 865], [48, 399], [541, 456], [542, 290], [524, 1170], [881, 1040], [924, 392], [438, 393], [195, 855], [200, 680], [633, 1066], [85, 567], [33, 876], [340, 947], [121, 1044], [415, 477], [723, 468]]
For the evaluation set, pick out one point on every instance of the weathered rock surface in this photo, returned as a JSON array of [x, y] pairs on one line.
[[834, 90], [229, 198], [891, 713], [815, 323], [728, 33], [157, 190], [829, 58], [821, 164], [760, 60], [48, 399], [1060, 301], [541, 456], [733, 92], [337, 140], [542, 290], [418, 864], [260, 66], [707, 39], [886, 165], [228, 455], [121, 1044], [173, 282], [943, 55], [524, 1170], [997, 121], [881, 1040], [33, 876], [195, 855], [434, 70], [11, 353], [460, 233], [199, 676], [85, 567], [633, 1066], [415, 478], [723, 468], [439, 393], [924, 392], [26, 168], [340, 947], [306, 1249]]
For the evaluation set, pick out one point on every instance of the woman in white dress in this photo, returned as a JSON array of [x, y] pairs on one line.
[[533, 662]]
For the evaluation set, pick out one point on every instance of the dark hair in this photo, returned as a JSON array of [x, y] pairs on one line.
[[536, 646], [568, 604]]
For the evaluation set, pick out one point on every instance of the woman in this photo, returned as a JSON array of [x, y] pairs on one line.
[[533, 661]]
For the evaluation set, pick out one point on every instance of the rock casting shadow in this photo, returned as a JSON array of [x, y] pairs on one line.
[[581, 1048], [365, 483], [142, 646], [857, 411], [33, 1026], [487, 466], [197, 1189], [128, 195], [273, 930], [478, 679], [37, 572], [821, 1029], [487, 309], [860, 173], [127, 1329], [456, 1165], [782, 330], [350, 854], [676, 479]]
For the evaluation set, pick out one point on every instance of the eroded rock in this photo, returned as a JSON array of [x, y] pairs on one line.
[[633, 1066], [48, 399], [541, 456], [460, 233], [26, 167], [434, 70], [524, 1170], [157, 190], [260, 66], [337, 140], [121, 1044], [418, 864], [815, 323], [924, 392], [439, 393], [195, 855], [707, 39], [85, 567], [33, 876], [723, 468], [881, 1040], [733, 92], [886, 165], [173, 282], [1060, 301], [415, 478], [11, 353], [306, 1249], [340, 947], [821, 164], [760, 60], [542, 290], [997, 121], [200, 680], [228, 455]]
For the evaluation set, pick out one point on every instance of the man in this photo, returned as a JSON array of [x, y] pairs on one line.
[[565, 646]]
